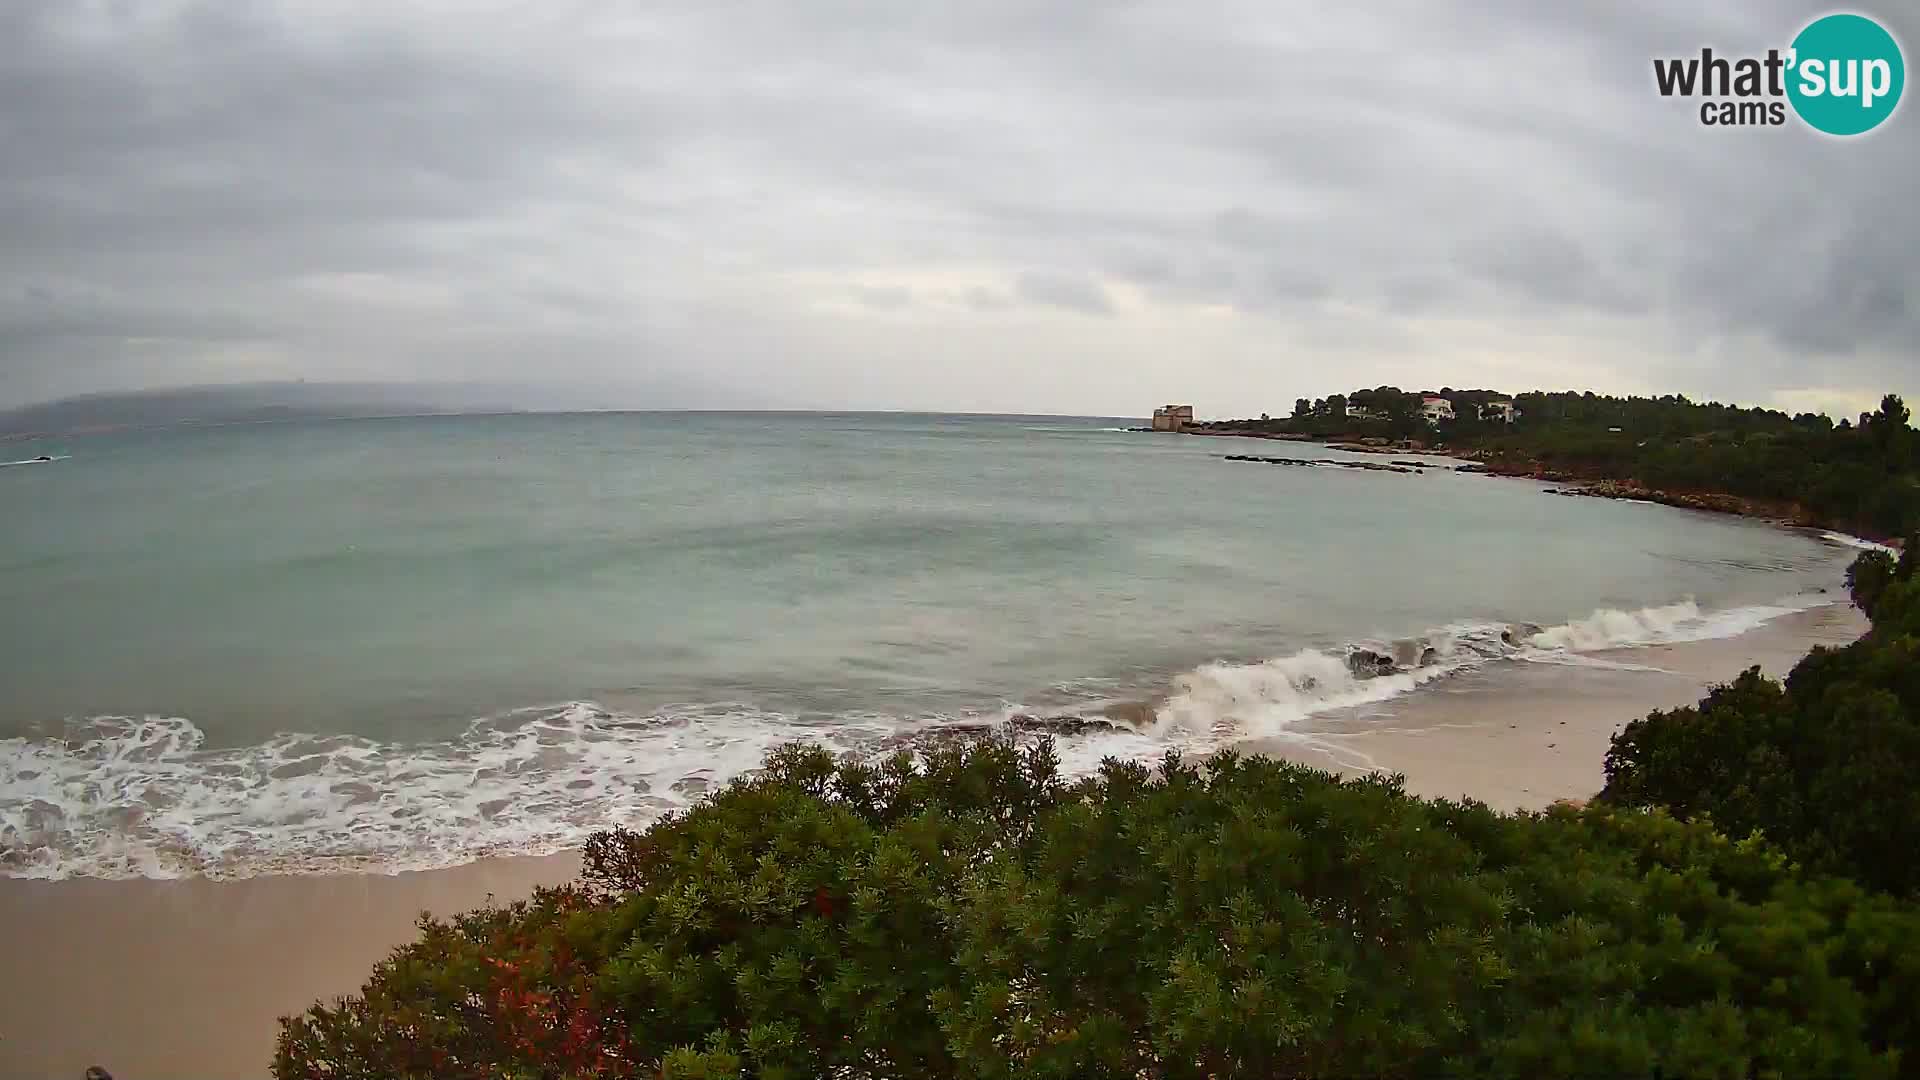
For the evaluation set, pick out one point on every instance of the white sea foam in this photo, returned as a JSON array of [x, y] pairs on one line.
[[1576, 660], [1855, 542], [147, 797], [1222, 703], [1670, 624]]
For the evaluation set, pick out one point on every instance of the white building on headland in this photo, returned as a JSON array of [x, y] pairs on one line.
[[1435, 409], [1173, 418], [1500, 409]]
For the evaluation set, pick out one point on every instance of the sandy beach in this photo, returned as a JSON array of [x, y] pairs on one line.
[[176, 979], [1521, 735], [158, 980]]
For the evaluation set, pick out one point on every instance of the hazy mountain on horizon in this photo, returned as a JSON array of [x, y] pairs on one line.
[[244, 402]]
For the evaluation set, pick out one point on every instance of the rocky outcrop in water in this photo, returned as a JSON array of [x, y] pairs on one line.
[[1019, 723], [1308, 463], [1368, 664], [1060, 725]]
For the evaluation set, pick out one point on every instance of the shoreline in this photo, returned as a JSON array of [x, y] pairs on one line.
[[187, 977], [155, 978], [1785, 515], [1522, 736]]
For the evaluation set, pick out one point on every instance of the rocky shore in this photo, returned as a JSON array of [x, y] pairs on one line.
[[1354, 444], [1785, 513], [1583, 484], [1589, 486]]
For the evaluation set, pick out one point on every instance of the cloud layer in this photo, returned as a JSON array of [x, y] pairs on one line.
[[998, 205]]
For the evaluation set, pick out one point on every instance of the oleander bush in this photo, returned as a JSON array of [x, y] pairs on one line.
[[968, 913]]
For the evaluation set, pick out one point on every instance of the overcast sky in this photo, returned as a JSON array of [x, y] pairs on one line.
[[974, 205]]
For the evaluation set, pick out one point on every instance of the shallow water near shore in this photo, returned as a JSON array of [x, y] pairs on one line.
[[391, 644]]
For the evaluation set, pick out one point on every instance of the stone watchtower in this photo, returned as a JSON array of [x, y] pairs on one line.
[[1173, 418]]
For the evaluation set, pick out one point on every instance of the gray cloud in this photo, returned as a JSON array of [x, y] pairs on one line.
[[883, 297], [875, 203], [1073, 292]]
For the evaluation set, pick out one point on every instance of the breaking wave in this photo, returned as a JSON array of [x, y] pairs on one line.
[[1671, 624], [147, 797], [1855, 542], [124, 797], [1221, 703]]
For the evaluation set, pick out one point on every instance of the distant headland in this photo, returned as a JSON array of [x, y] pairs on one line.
[[1860, 476]]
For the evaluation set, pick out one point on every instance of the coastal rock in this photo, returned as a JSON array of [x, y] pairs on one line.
[[935, 733], [1272, 460], [1371, 466], [1060, 725], [1029, 724], [1368, 664]]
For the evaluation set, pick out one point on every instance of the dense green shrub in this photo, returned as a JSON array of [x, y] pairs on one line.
[[970, 914], [1823, 766]]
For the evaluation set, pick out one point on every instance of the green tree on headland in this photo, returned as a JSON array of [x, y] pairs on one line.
[[1863, 478]]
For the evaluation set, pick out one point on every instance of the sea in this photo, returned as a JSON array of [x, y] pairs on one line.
[[401, 643]]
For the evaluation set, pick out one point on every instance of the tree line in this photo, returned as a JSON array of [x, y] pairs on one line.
[[1861, 475]]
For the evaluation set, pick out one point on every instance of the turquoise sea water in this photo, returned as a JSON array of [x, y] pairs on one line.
[[411, 641]]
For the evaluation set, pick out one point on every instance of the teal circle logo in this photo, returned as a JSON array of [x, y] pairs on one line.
[[1845, 74]]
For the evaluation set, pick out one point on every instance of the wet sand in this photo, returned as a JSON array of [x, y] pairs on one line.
[[1521, 735], [156, 980], [185, 979]]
